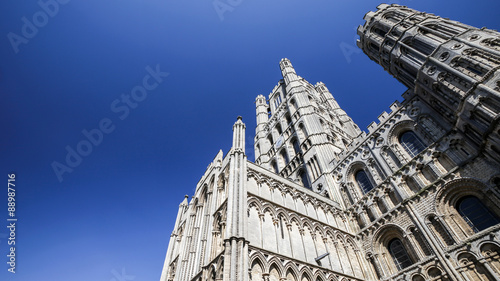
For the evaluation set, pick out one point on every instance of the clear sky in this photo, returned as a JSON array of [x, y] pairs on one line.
[[71, 68]]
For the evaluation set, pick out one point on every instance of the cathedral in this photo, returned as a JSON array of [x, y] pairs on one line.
[[417, 197]]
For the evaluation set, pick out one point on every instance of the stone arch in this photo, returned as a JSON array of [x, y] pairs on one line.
[[319, 276], [291, 271], [318, 228], [306, 274], [252, 201], [257, 267], [471, 268], [448, 197], [351, 172], [269, 208], [380, 245], [275, 263], [434, 272], [491, 253], [283, 214], [417, 277], [295, 218], [308, 223], [397, 130]]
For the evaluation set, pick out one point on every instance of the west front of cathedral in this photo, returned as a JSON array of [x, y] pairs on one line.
[[417, 197]]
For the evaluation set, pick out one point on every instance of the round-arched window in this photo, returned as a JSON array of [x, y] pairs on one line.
[[475, 213], [399, 254], [363, 181], [411, 143]]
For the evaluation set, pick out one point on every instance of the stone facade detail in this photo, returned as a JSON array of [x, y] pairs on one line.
[[417, 197]]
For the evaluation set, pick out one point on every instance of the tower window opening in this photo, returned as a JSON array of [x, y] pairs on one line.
[[305, 179], [296, 146], [363, 181], [399, 255], [275, 167], [475, 213], [411, 143], [284, 157], [278, 128]]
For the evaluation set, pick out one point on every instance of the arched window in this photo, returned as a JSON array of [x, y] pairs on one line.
[[475, 213], [411, 143], [275, 167], [278, 128], [363, 181], [288, 119], [296, 146], [270, 139], [302, 131], [284, 157], [293, 104], [305, 179], [399, 254]]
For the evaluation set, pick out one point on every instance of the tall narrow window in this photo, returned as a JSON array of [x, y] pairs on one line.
[[288, 119], [275, 167], [475, 213], [278, 128], [284, 157], [296, 146], [363, 181], [305, 179], [302, 131], [399, 254], [270, 139], [411, 143]]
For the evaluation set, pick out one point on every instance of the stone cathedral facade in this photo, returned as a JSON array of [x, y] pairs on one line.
[[417, 197]]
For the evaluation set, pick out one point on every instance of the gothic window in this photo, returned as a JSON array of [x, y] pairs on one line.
[[363, 181], [270, 139], [288, 119], [303, 131], [275, 167], [411, 143], [305, 179], [284, 157], [399, 254], [475, 213], [277, 101], [293, 105], [278, 128], [296, 146]]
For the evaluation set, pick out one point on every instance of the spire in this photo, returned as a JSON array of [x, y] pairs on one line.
[[239, 135], [185, 201], [288, 71]]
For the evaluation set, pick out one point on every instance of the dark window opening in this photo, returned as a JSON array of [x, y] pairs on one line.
[[363, 181], [399, 254], [411, 143], [475, 213]]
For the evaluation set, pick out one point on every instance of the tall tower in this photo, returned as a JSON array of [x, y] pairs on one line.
[[301, 130], [450, 65]]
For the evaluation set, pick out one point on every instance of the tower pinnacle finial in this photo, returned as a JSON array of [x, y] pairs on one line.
[[239, 135]]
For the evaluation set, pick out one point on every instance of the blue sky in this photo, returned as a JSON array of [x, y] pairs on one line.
[[115, 210]]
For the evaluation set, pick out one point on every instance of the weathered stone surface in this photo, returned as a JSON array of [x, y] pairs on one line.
[[415, 198]]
